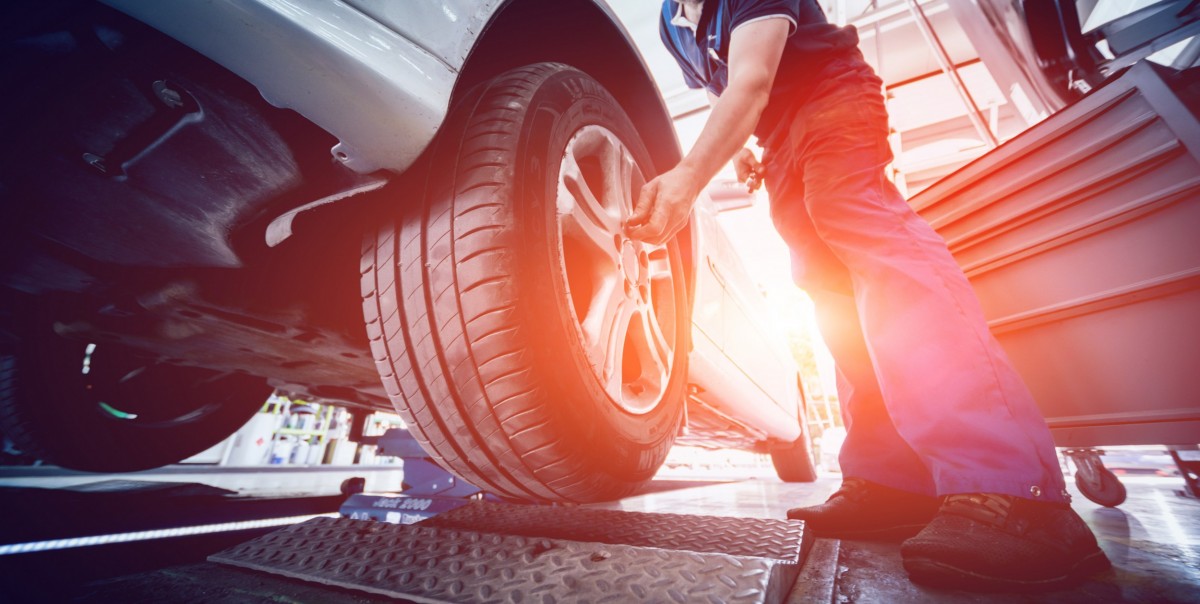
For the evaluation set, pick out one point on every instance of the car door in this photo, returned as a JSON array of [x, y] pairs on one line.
[[730, 310], [749, 340]]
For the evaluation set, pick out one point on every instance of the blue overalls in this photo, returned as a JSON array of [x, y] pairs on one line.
[[931, 402]]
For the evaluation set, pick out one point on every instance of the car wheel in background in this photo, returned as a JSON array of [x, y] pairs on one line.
[[796, 462], [531, 348], [105, 408]]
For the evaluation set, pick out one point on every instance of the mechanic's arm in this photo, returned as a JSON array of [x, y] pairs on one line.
[[665, 202], [745, 162]]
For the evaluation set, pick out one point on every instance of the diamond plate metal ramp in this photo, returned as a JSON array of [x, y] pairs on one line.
[[477, 554], [755, 537]]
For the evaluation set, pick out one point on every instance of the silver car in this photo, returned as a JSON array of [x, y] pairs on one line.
[[408, 204]]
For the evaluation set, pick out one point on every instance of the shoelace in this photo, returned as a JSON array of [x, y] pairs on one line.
[[983, 507], [853, 489]]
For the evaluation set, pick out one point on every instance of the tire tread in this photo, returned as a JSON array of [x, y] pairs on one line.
[[474, 402]]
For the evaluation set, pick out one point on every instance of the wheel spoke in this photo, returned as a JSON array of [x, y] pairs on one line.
[[656, 366], [632, 181], [587, 175], [599, 325], [661, 283], [613, 377], [584, 220]]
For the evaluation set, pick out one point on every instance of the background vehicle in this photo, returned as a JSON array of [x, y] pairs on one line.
[[184, 219]]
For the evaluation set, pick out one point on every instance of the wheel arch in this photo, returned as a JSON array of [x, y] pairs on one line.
[[587, 36]]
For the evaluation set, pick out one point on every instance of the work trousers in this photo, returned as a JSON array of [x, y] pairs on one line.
[[930, 401]]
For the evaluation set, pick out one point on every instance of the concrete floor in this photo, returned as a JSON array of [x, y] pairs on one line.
[[1153, 540]]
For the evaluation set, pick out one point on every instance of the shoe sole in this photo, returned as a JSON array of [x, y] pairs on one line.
[[932, 573], [901, 531]]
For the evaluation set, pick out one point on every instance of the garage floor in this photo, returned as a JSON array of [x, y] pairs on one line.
[[1153, 540]]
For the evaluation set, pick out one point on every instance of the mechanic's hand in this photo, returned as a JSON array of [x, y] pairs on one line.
[[749, 169], [663, 207]]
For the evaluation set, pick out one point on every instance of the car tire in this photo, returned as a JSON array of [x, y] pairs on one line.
[[796, 462], [530, 347], [104, 408]]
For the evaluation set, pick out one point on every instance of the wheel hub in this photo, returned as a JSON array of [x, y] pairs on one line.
[[622, 292]]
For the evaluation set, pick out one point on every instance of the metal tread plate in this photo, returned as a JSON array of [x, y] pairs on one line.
[[438, 564], [759, 537]]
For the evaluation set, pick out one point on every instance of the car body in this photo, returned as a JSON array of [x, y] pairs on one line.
[[197, 195]]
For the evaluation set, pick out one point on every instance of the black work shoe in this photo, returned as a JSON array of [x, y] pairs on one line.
[[983, 541], [861, 509]]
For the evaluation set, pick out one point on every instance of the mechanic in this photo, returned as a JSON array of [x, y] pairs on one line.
[[944, 439]]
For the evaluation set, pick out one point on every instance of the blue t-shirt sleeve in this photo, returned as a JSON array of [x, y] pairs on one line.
[[744, 11]]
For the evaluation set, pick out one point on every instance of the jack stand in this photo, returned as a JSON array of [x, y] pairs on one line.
[[427, 491], [1187, 458]]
